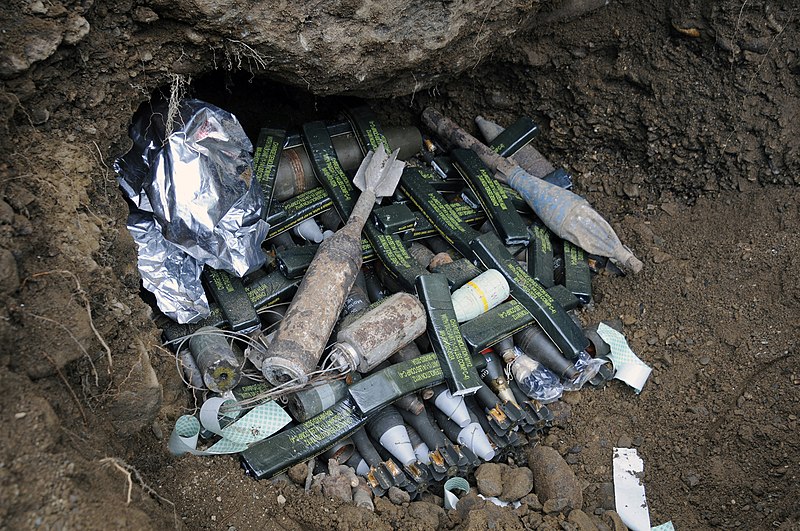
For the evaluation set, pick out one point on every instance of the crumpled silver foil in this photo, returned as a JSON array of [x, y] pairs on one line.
[[193, 202]]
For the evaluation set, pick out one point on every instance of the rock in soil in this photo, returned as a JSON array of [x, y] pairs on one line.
[[582, 520], [298, 473], [614, 521], [337, 487], [552, 477], [517, 482], [489, 478], [9, 276], [556, 505], [398, 496]]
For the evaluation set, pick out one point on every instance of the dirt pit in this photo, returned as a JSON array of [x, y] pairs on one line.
[[678, 121]]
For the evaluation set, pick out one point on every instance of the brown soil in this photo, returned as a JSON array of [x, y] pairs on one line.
[[688, 145]]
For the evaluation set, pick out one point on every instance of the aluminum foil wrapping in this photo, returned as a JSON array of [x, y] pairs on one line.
[[193, 202]]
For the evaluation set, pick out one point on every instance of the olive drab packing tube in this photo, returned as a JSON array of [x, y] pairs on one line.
[[445, 337], [493, 326], [495, 202], [394, 219], [551, 317], [389, 248], [302, 335], [296, 210], [540, 256], [232, 298], [512, 138], [387, 385], [295, 174], [439, 212], [367, 129], [263, 292], [458, 272], [294, 261], [283, 450], [311, 438], [577, 277], [563, 297], [266, 158], [569, 216]]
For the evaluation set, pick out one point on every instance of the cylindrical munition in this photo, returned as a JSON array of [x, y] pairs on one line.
[[190, 370], [217, 362], [378, 333], [600, 347], [410, 403], [474, 438], [309, 231], [340, 452], [366, 448], [295, 174], [452, 406], [387, 428], [421, 449], [357, 463], [494, 375], [535, 343], [421, 254], [566, 214], [362, 495], [480, 295], [310, 402], [304, 331]]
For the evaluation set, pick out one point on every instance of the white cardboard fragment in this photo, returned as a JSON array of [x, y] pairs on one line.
[[629, 496], [627, 365]]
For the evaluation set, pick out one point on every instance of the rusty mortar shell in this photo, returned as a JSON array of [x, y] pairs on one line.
[[218, 363], [378, 333], [304, 330], [295, 174]]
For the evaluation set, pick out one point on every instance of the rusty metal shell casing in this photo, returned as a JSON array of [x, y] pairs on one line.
[[304, 331], [219, 365], [379, 333]]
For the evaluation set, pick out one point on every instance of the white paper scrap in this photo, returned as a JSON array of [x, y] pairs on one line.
[[630, 499], [628, 367]]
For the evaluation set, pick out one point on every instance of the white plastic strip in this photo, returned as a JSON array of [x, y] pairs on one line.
[[630, 499], [450, 486]]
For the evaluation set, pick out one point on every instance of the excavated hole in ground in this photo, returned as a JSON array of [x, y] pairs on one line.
[[677, 141]]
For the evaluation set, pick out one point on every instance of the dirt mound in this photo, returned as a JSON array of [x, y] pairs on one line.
[[677, 119]]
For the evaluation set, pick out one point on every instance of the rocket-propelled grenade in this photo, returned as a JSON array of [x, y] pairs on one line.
[[302, 334], [569, 216]]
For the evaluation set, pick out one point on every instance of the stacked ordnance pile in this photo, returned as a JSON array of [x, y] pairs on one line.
[[413, 318]]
